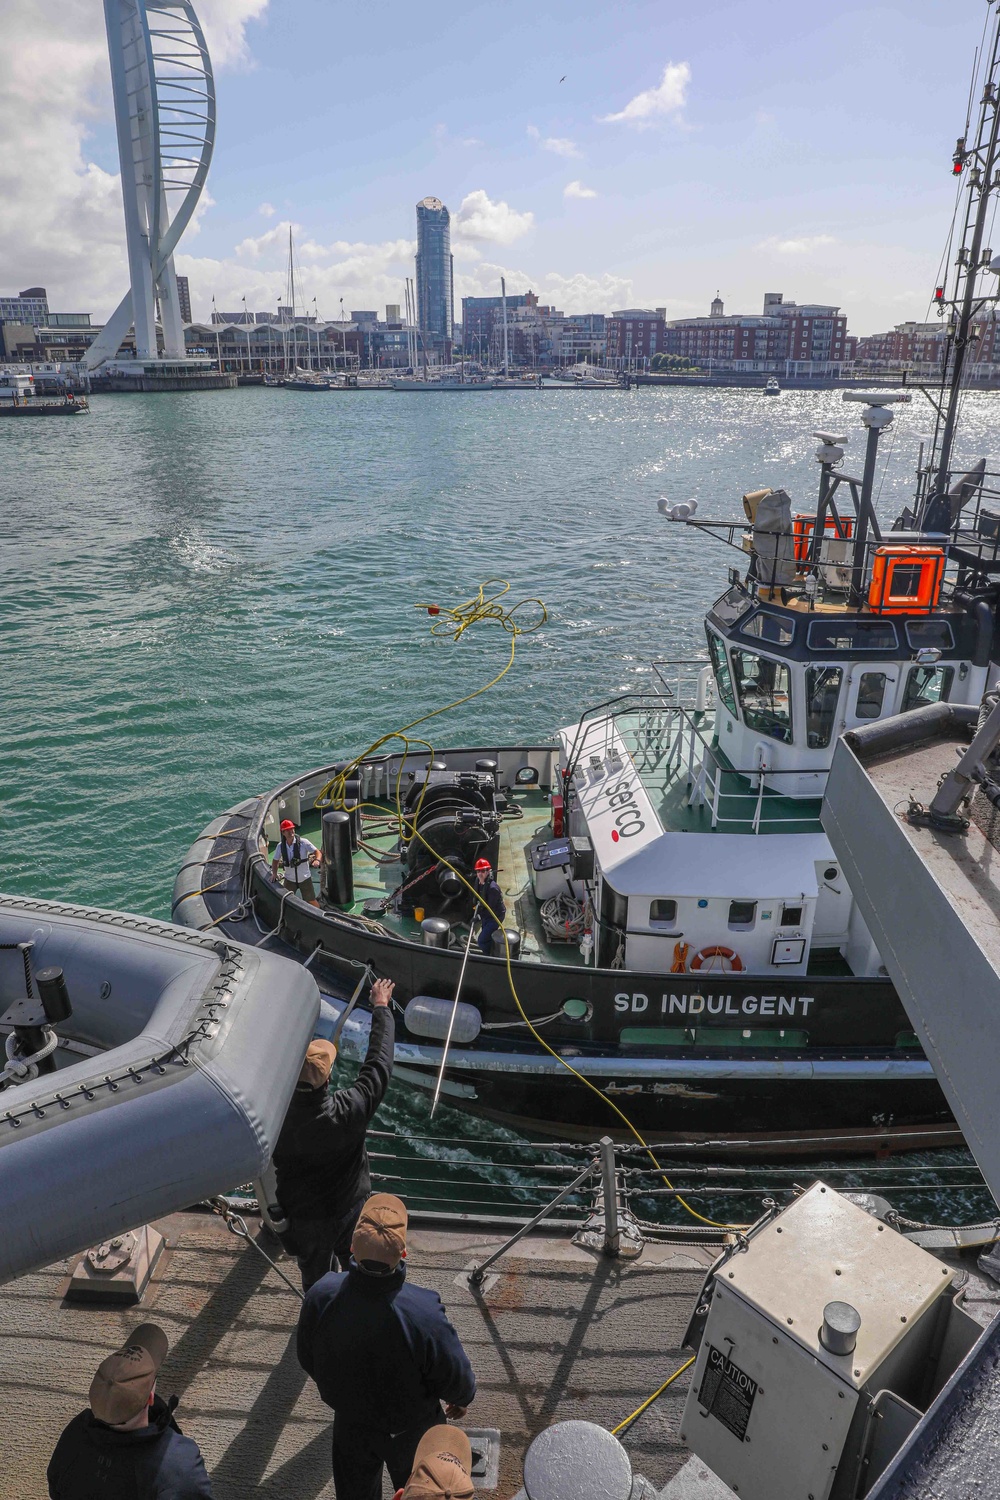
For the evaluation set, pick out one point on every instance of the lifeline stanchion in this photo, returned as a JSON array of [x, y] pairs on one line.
[[477, 1276]]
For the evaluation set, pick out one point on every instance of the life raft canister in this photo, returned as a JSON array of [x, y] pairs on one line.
[[732, 963]]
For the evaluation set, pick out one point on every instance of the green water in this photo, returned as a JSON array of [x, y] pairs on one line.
[[203, 594]]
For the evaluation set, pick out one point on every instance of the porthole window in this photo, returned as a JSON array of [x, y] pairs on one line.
[[662, 913], [742, 915]]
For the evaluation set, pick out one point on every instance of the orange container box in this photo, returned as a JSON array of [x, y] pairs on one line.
[[906, 580]]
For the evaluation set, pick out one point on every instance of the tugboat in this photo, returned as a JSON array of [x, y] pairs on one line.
[[680, 940], [772, 388]]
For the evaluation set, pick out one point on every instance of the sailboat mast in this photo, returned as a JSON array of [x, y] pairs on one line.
[[291, 282], [503, 298], [979, 161]]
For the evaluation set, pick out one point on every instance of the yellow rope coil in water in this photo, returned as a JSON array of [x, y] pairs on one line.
[[454, 621]]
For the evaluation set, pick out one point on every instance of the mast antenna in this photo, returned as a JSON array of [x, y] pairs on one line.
[[979, 162]]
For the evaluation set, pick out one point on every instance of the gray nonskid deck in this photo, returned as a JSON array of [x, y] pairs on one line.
[[561, 1334]]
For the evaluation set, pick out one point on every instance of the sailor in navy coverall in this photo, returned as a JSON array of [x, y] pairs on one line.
[[383, 1354], [489, 891]]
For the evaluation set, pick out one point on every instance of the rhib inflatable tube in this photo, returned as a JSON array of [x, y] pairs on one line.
[[176, 1068]]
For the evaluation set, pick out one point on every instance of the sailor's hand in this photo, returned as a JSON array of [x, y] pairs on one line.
[[382, 992], [456, 1413]]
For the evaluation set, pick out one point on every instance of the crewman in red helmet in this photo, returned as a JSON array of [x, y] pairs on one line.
[[488, 890], [298, 857]]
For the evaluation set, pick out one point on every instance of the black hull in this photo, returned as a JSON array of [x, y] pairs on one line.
[[721, 1064]]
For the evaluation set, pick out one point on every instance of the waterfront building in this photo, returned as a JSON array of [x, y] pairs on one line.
[[392, 312], [435, 278], [60, 338], [184, 299], [481, 316], [633, 336], [784, 338], [30, 308], [580, 336], [923, 348]]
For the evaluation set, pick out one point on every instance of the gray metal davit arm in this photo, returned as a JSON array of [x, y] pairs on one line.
[[971, 770]]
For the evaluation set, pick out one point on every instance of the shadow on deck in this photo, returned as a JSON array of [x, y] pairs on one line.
[[561, 1334]]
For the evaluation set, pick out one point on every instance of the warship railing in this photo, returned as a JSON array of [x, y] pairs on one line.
[[613, 1197]]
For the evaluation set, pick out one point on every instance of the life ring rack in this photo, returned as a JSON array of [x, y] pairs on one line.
[[718, 950]]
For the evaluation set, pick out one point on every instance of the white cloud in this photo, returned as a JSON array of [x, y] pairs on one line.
[[444, 137], [570, 294], [668, 98], [254, 246], [805, 245], [363, 274], [577, 190], [268, 210], [559, 145], [62, 221], [480, 218]]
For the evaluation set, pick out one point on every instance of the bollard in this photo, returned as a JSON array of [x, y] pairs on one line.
[[338, 868]]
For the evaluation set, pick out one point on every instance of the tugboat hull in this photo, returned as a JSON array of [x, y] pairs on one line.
[[727, 1064]]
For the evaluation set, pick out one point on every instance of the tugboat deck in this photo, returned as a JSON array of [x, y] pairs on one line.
[[561, 1334]]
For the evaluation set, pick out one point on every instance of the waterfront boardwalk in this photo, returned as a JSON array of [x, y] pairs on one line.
[[562, 1333]]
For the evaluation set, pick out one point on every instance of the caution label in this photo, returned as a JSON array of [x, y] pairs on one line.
[[727, 1392]]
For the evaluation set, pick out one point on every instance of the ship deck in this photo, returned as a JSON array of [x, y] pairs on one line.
[[562, 1333], [377, 874]]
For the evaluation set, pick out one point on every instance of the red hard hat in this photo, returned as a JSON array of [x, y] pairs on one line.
[[286, 823], [483, 864]]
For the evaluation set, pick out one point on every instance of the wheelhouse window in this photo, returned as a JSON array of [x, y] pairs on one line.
[[742, 915], [930, 633], [764, 688], [871, 695], [851, 636], [822, 697], [663, 913], [723, 677], [733, 604], [768, 627], [927, 685]]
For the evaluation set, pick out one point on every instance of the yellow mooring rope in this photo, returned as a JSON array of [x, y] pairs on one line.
[[453, 622]]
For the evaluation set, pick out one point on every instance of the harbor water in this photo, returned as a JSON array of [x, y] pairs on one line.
[[205, 593]]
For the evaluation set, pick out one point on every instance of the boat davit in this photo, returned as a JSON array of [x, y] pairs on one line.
[[147, 1067]]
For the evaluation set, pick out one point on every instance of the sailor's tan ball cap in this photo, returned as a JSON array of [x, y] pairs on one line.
[[380, 1233], [442, 1467], [124, 1380], [320, 1058]]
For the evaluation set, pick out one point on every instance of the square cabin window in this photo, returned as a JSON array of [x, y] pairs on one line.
[[663, 914], [742, 915]]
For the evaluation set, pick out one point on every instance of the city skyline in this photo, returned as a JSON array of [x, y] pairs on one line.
[[678, 154]]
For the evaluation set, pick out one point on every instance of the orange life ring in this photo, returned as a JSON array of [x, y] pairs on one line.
[[735, 964]]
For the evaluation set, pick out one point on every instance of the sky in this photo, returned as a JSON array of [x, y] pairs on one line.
[[603, 155]]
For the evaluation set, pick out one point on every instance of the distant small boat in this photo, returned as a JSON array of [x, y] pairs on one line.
[[772, 388], [18, 399], [305, 383]]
